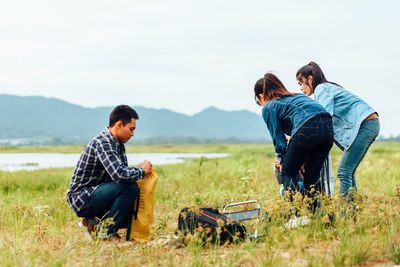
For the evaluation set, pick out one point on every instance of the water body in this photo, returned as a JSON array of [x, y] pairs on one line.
[[36, 161]]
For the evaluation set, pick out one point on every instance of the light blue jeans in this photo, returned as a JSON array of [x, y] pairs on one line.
[[352, 157]]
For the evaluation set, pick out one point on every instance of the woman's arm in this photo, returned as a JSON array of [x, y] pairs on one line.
[[271, 118], [325, 97]]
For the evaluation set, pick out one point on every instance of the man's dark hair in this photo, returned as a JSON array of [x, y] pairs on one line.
[[122, 113]]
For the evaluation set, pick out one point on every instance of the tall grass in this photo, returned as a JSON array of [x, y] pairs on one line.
[[37, 227]]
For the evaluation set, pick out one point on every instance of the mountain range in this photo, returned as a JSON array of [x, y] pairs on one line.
[[40, 120]]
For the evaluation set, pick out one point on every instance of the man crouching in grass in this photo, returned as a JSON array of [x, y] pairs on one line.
[[102, 184]]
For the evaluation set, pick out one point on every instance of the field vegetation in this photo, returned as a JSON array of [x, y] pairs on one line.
[[37, 228]]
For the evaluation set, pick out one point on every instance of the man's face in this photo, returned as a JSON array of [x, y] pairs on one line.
[[126, 132]]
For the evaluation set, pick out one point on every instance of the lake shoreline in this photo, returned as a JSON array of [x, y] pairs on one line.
[[11, 162]]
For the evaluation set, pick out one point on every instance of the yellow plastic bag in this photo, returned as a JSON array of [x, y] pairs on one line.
[[141, 226]]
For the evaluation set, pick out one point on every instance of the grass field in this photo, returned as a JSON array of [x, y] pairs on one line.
[[37, 228]]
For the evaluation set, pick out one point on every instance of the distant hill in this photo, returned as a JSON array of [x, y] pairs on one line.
[[40, 120]]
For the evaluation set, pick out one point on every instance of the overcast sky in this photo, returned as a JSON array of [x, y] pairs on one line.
[[189, 55]]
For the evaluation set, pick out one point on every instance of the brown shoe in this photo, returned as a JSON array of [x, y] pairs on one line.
[[87, 228], [112, 239]]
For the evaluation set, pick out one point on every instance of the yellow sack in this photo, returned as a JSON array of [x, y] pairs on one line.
[[141, 226]]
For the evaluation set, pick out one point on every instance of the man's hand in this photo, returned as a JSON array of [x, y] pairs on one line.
[[146, 166]]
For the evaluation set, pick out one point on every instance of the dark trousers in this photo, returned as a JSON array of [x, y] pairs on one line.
[[115, 198], [310, 145]]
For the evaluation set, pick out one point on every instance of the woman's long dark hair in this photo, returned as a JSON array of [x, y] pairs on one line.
[[315, 71], [271, 87]]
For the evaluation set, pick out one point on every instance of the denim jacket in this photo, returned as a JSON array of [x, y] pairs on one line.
[[348, 111], [286, 116]]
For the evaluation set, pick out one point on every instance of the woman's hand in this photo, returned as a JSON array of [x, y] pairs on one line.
[[302, 170], [277, 165]]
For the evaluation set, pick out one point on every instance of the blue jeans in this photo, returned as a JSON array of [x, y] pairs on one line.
[[299, 183], [115, 198], [352, 157]]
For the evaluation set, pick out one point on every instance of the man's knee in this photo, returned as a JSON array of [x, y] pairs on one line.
[[130, 189]]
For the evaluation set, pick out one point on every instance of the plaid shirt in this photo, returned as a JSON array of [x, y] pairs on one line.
[[102, 160]]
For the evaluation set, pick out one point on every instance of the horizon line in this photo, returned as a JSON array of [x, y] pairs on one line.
[[93, 107]]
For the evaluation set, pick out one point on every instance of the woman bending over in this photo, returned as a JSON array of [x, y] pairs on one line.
[[308, 124], [355, 123]]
